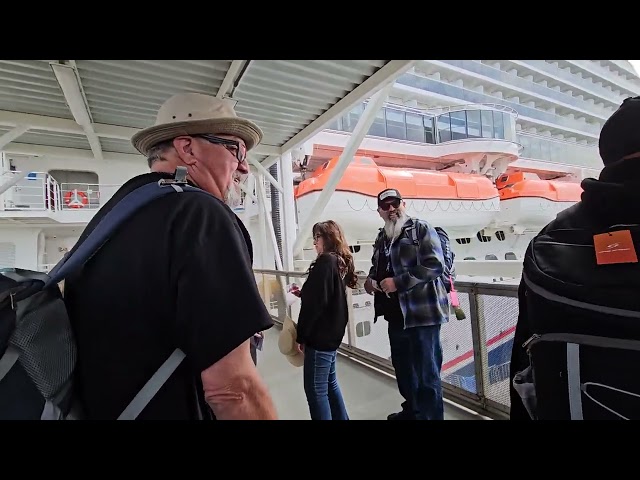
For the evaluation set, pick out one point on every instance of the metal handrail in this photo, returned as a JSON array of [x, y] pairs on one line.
[[478, 401]]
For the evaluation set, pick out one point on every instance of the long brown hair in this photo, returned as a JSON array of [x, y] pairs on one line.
[[336, 244]]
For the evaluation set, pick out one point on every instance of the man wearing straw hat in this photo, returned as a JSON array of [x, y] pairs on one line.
[[178, 274]]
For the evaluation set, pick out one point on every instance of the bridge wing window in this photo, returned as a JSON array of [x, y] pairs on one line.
[[415, 129], [444, 128], [458, 125]]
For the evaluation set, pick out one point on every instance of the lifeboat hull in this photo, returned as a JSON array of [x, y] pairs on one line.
[[529, 214], [462, 204], [527, 205], [359, 218]]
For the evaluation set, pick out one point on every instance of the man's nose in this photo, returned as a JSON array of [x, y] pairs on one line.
[[243, 167]]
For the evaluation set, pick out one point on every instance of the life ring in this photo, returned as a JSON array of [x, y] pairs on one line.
[[75, 199]]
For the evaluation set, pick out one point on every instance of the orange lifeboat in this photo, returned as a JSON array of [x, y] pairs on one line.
[[528, 204], [461, 203]]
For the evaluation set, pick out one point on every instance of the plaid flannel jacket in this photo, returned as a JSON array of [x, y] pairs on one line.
[[418, 263]]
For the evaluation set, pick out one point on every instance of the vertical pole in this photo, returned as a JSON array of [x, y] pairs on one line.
[[288, 205]]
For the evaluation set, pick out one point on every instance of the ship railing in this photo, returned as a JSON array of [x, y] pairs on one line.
[[477, 349], [435, 111], [85, 195], [39, 191], [32, 191]]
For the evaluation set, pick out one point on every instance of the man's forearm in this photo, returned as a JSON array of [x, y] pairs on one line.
[[246, 399]]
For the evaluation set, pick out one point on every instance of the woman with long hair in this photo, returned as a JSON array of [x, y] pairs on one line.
[[323, 320]]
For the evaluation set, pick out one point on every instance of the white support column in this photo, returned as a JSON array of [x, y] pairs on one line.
[[361, 129], [262, 198], [288, 213], [262, 228]]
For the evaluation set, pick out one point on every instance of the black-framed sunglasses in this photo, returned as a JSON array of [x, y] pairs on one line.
[[386, 205], [235, 147]]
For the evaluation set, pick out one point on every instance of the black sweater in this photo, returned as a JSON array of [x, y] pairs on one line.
[[323, 314]]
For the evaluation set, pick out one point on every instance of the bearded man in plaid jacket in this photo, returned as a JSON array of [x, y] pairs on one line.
[[409, 292]]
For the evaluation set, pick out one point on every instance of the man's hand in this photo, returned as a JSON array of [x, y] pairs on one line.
[[388, 285], [368, 286]]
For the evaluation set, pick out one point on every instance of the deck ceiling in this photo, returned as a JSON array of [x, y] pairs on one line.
[[290, 100]]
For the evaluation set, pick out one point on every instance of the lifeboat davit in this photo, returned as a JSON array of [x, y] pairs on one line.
[[460, 203], [528, 204]]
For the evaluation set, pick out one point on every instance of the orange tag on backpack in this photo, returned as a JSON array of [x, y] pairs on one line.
[[615, 247]]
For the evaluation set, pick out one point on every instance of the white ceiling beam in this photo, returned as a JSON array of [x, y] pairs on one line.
[[65, 153], [229, 79], [388, 73], [71, 86], [63, 125], [11, 135]]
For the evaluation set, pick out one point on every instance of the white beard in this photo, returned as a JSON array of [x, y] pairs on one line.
[[393, 227], [233, 196]]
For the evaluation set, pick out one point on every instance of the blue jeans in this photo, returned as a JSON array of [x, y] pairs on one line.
[[416, 355], [321, 386]]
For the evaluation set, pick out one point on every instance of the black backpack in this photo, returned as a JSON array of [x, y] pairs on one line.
[[37, 347], [585, 317], [449, 273]]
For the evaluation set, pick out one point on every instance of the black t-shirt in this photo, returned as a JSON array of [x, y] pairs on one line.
[[178, 274]]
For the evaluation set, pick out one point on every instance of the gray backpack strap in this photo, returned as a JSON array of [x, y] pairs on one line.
[[144, 396], [8, 360]]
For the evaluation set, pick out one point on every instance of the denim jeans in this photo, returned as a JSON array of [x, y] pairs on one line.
[[321, 386], [416, 355]]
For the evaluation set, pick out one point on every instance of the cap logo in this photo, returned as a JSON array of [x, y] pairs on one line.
[[388, 193]]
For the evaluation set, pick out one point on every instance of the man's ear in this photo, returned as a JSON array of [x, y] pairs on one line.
[[184, 148]]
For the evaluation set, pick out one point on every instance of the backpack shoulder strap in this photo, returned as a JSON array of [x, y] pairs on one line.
[[131, 203], [144, 396]]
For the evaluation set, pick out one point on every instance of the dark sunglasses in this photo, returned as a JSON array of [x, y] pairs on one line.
[[235, 147], [386, 205]]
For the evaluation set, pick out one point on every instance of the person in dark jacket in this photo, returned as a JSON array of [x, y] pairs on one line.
[[614, 198], [323, 320]]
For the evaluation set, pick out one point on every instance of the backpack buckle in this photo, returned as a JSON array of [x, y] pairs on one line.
[[180, 178]]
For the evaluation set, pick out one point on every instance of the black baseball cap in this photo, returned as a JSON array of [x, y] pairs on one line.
[[619, 135], [388, 193]]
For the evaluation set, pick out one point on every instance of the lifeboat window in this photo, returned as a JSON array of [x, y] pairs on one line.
[[491, 256], [463, 241], [500, 235], [510, 256], [483, 238], [354, 248], [363, 328], [469, 258]]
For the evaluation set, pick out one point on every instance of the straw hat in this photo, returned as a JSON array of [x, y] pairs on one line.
[[193, 114], [287, 343]]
